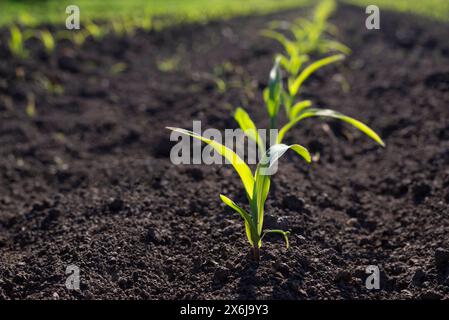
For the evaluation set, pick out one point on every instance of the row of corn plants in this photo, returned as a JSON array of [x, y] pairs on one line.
[[120, 27], [309, 37]]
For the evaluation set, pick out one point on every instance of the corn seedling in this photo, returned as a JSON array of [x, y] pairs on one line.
[[47, 40], [168, 64], [50, 86], [309, 36], [16, 43], [27, 20], [94, 30], [275, 95], [123, 26], [257, 185], [294, 85], [31, 106], [146, 21], [118, 68]]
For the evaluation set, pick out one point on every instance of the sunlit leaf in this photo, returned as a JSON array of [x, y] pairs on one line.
[[330, 114], [249, 226], [298, 107], [239, 165], [248, 127], [285, 234], [295, 85]]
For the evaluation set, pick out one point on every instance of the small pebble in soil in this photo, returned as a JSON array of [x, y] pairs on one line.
[[283, 223], [301, 239], [353, 222], [441, 257]]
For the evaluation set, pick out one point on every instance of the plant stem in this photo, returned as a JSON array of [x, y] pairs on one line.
[[256, 253], [273, 123]]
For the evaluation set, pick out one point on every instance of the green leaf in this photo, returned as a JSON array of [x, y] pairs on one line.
[[295, 85], [16, 42], [298, 107], [274, 89], [276, 151], [330, 114], [331, 45], [285, 234], [289, 46], [248, 127], [48, 40], [249, 226], [324, 9], [239, 165], [284, 61], [274, 81]]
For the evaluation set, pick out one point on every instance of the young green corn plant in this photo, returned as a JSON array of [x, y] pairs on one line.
[[275, 95], [257, 185], [97, 31], [146, 22], [314, 34], [47, 40], [310, 36], [77, 37], [16, 43], [294, 85]]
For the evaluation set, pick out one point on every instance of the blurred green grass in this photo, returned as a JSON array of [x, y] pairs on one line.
[[53, 11], [436, 9]]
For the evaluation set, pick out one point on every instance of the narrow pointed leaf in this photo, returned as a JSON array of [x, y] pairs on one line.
[[249, 128], [331, 114], [243, 213], [298, 107], [331, 45], [249, 227], [295, 85], [274, 81], [285, 234], [239, 165], [276, 151], [324, 9], [289, 46]]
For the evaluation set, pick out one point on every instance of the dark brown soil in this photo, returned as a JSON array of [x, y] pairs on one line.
[[88, 180]]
